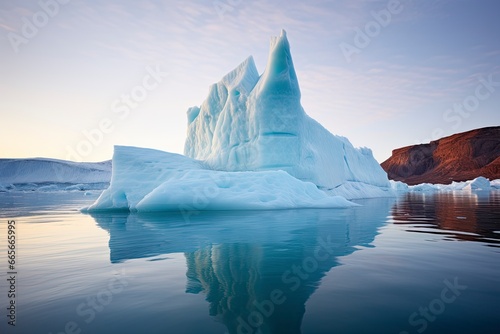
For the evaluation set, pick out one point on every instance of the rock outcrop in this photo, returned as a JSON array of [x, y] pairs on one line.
[[460, 157]]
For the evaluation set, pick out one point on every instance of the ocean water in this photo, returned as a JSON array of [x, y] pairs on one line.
[[421, 263]]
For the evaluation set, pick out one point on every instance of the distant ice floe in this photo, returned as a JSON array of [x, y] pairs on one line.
[[478, 184], [49, 175]]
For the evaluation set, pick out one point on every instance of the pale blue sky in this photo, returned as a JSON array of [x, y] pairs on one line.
[[399, 87]]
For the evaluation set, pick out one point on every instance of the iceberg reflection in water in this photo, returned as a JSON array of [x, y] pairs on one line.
[[257, 269], [356, 270]]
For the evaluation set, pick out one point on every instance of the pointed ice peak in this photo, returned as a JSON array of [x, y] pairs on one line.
[[279, 76], [243, 77], [276, 39]]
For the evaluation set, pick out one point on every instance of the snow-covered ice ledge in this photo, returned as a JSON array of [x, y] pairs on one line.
[[148, 180]]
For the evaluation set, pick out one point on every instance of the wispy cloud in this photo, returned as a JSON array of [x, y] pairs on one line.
[[6, 27], [384, 91]]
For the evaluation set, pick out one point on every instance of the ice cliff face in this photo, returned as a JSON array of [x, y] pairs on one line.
[[254, 123]]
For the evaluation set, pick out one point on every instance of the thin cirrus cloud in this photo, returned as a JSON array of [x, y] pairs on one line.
[[379, 92]]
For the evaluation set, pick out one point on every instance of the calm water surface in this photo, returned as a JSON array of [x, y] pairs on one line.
[[422, 263]]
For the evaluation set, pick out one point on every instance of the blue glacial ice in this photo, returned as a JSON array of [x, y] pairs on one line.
[[252, 122]]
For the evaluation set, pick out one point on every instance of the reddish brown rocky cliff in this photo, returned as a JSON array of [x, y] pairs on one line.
[[460, 157]]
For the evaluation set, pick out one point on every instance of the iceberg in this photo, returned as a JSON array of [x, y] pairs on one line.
[[249, 146], [478, 184]]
